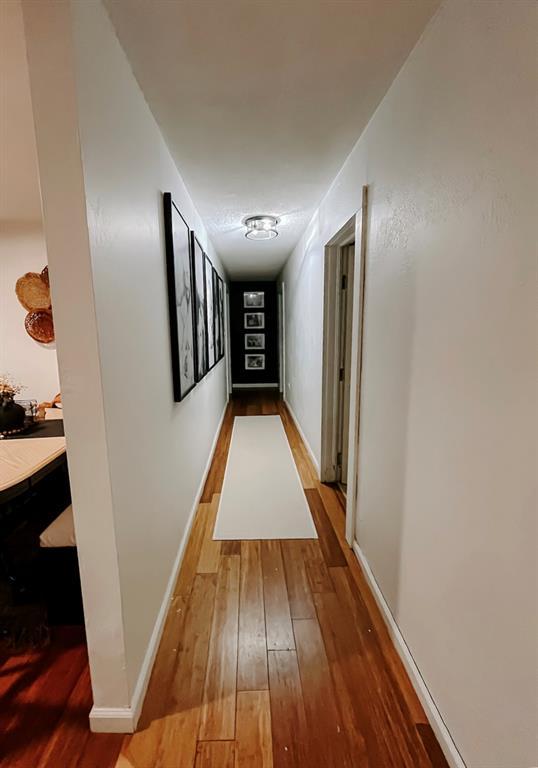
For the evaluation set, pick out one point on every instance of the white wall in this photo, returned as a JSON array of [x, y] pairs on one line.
[[447, 476], [34, 365], [127, 166], [157, 450], [22, 242]]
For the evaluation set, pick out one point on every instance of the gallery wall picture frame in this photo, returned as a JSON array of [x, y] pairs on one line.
[[223, 295], [210, 312], [254, 320], [198, 256], [254, 341], [253, 299], [254, 362], [218, 317], [216, 325], [180, 285], [221, 316]]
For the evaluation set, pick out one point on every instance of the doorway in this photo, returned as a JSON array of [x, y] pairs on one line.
[[337, 348], [344, 281], [344, 309]]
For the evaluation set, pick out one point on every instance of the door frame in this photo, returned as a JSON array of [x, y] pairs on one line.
[[353, 230], [331, 350], [345, 321]]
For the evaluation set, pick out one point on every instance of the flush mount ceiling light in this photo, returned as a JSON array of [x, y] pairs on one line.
[[261, 227]]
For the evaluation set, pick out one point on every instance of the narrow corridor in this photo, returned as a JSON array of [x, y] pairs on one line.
[[274, 652], [331, 200]]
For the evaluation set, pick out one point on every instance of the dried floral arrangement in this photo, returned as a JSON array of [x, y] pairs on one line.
[[12, 414], [9, 388]]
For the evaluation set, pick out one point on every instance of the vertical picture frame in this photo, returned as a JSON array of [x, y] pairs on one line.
[[216, 316], [222, 315], [198, 256], [180, 288], [210, 312]]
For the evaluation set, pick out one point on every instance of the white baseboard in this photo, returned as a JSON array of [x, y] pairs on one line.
[[125, 719], [303, 437], [437, 723], [112, 720], [273, 385]]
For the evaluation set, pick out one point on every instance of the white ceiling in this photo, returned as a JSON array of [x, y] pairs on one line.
[[261, 102]]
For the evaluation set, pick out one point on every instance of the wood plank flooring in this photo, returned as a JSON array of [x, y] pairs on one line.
[[45, 700], [274, 655], [252, 656], [277, 655]]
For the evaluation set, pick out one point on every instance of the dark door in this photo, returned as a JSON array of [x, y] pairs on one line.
[[345, 311]]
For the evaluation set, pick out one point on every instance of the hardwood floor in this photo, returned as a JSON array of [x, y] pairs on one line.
[[45, 700], [275, 654]]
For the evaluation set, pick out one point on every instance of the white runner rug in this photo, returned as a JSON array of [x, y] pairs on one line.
[[262, 496]]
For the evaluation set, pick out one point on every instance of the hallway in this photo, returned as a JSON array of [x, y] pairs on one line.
[[335, 201], [274, 652]]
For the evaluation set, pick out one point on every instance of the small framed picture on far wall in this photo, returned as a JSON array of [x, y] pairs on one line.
[[254, 320], [253, 300], [254, 340], [255, 362]]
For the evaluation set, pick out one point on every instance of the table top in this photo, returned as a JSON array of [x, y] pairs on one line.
[[20, 459], [53, 413]]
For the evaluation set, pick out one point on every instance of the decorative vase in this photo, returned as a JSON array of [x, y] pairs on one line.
[[12, 415]]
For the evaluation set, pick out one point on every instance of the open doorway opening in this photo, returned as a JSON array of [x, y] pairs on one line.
[[344, 328], [344, 280], [337, 340]]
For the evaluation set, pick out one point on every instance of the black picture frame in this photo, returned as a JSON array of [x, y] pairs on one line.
[[222, 315], [198, 257], [210, 313], [216, 316], [180, 288]]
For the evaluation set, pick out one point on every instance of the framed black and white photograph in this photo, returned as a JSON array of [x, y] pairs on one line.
[[222, 295], [253, 299], [255, 362], [199, 309], [210, 312], [254, 340], [179, 273], [216, 315], [254, 320]]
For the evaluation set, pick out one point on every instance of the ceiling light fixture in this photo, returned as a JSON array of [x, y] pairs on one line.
[[261, 227]]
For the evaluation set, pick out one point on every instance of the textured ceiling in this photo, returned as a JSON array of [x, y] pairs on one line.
[[261, 102]]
